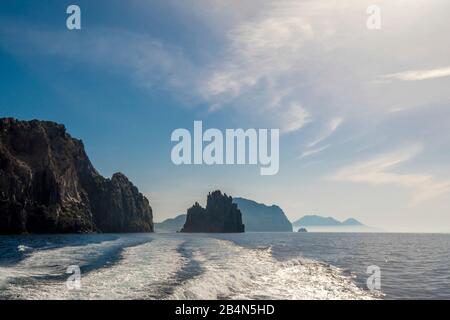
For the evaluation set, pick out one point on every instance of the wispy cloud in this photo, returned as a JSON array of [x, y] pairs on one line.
[[417, 75], [262, 52], [312, 152], [148, 61], [307, 49], [294, 118], [378, 171], [332, 126]]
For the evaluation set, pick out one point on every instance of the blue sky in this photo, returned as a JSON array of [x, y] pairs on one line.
[[364, 114]]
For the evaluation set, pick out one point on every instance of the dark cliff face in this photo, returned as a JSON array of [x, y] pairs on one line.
[[48, 185], [119, 207], [220, 215]]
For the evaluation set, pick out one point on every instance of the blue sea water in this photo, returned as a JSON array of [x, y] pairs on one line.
[[226, 266]]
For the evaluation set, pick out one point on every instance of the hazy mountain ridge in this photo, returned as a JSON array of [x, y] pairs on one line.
[[320, 221], [260, 217], [171, 224]]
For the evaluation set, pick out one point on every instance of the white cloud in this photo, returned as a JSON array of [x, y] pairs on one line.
[[378, 171], [417, 75], [316, 51]]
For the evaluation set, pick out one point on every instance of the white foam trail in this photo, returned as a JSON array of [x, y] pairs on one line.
[[53, 262], [142, 273], [50, 262], [233, 272]]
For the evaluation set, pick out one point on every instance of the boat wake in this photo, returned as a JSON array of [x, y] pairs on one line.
[[182, 267], [233, 272]]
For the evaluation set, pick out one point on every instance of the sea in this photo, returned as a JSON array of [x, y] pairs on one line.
[[226, 266]]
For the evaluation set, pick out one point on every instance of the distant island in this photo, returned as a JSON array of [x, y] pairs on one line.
[[319, 221], [330, 224], [49, 185], [221, 215], [171, 224], [256, 217]]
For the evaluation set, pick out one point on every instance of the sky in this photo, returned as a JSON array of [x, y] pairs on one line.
[[363, 114]]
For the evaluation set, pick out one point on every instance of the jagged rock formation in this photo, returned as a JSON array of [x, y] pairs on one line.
[[261, 218], [256, 217], [48, 185], [220, 215]]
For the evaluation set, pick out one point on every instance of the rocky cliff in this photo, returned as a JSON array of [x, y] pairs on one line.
[[48, 185], [220, 215]]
